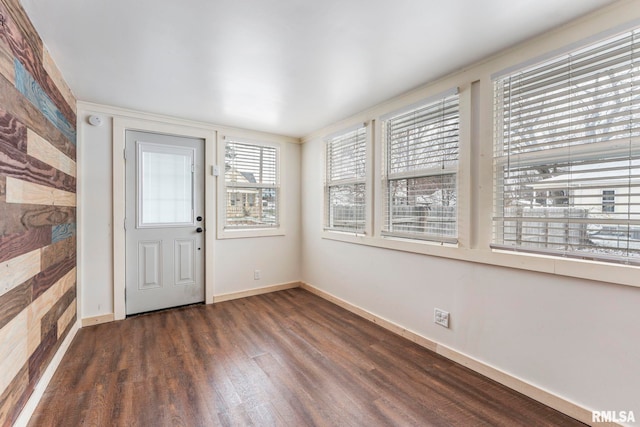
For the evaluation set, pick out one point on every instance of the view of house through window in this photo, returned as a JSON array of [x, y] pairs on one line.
[[252, 185], [567, 155], [422, 147]]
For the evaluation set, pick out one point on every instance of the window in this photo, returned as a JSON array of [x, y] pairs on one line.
[[608, 200], [422, 147], [567, 149], [252, 188], [345, 181]]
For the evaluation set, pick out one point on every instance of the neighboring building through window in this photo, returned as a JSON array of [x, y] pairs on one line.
[[346, 181], [608, 200], [567, 154], [252, 185], [422, 146]]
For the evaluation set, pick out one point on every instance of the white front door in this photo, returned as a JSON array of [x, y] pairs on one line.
[[164, 221]]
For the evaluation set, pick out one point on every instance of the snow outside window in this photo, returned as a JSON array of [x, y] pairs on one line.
[[345, 198], [567, 154], [422, 147]]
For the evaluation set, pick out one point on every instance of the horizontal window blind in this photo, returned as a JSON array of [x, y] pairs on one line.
[[345, 181], [567, 154], [422, 147], [252, 185]]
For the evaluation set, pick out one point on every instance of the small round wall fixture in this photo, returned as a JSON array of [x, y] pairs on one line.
[[95, 120]]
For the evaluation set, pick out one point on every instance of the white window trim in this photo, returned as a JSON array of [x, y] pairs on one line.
[[222, 232], [558, 154], [375, 186], [425, 172], [347, 236]]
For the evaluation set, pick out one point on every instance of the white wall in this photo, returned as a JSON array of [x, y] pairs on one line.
[[277, 257], [95, 210], [574, 337]]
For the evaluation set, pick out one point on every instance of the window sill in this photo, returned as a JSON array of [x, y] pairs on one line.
[[619, 274], [250, 233]]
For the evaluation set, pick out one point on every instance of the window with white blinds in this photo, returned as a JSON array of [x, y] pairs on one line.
[[252, 185], [422, 146], [345, 186], [567, 154]]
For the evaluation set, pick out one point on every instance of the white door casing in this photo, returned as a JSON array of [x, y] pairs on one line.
[[164, 221]]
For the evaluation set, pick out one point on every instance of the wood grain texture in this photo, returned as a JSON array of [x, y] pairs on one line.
[[18, 29], [42, 304], [37, 172], [50, 320], [27, 47], [18, 218], [14, 396], [97, 320], [15, 103], [24, 192], [68, 317], [7, 68], [18, 270], [16, 164], [40, 149], [13, 245], [14, 301], [13, 133], [62, 231], [58, 252], [50, 276], [52, 70], [33, 91], [285, 358], [42, 355], [13, 349]]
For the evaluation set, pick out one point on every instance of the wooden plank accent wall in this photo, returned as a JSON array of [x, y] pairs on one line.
[[37, 209]]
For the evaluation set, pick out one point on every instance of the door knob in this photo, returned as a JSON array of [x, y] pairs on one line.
[[199, 230]]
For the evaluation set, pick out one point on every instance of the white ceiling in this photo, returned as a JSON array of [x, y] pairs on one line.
[[282, 66]]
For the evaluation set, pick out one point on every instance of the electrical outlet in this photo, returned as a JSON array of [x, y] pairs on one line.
[[256, 274], [441, 317]]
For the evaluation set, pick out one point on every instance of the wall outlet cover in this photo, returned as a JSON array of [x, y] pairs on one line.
[[441, 317]]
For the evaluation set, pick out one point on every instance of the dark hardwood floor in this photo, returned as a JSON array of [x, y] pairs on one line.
[[288, 358]]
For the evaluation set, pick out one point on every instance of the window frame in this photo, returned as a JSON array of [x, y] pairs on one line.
[[223, 232], [568, 155], [388, 176], [341, 234]]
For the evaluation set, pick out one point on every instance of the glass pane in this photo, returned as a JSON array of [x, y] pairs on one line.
[[249, 207], [347, 207], [423, 206], [166, 188]]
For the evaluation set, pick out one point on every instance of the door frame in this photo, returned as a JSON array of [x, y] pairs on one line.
[[120, 126]]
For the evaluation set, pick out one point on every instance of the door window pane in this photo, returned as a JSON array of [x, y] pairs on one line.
[[166, 186]]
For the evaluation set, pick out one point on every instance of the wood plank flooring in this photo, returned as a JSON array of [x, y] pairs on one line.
[[287, 358]]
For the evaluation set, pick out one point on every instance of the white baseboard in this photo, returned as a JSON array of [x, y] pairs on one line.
[[556, 402], [38, 391], [257, 291]]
